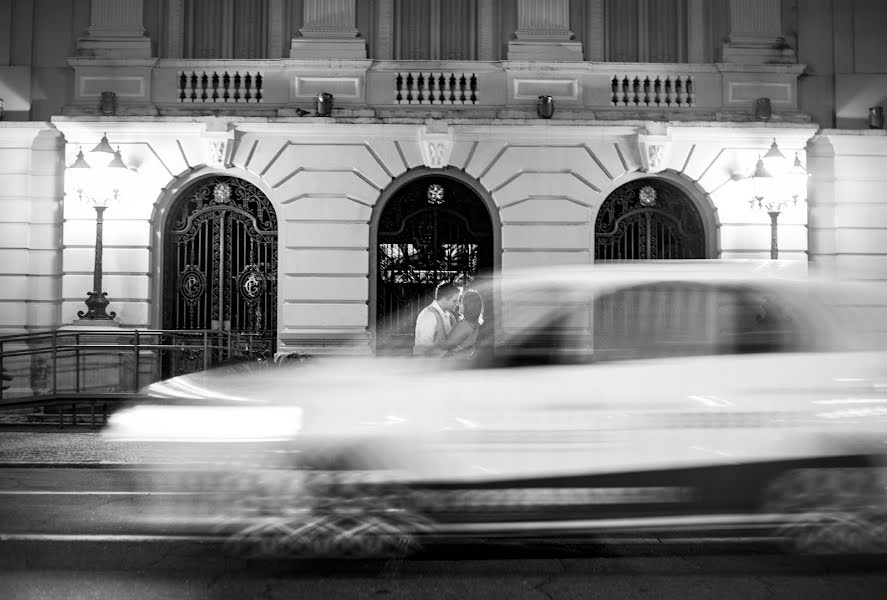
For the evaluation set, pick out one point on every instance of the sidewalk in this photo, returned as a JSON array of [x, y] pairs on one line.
[[71, 447]]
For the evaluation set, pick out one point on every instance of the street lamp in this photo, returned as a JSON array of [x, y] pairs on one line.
[[777, 185], [98, 184]]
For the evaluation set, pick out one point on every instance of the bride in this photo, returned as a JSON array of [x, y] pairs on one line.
[[462, 338]]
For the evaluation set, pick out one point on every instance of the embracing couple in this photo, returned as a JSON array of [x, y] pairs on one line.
[[439, 333]]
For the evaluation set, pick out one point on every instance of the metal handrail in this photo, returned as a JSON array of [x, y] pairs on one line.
[[67, 349]]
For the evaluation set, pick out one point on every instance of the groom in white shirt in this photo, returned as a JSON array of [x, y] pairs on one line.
[[435, 321]]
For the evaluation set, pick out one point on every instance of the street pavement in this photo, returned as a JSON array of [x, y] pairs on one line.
[[74, 524]]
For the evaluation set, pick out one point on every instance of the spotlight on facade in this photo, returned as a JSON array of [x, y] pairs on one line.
[[876, 117], [98, 185], [324, 104], [763, 110], [108, 104], [545, 107]]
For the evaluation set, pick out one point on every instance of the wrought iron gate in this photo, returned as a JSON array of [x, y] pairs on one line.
[[220, 262], [648, 219], [434, 229]]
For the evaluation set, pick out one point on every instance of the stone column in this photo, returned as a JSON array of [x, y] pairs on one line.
[[543, 32], [115, 31], [756, 34], [329, 31]]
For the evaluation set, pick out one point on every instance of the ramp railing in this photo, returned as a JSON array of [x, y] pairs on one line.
[[77, 368]]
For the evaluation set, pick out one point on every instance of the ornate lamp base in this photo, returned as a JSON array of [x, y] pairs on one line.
[[97, 303]]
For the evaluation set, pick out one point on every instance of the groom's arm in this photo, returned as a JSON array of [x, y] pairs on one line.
[[426, 326]]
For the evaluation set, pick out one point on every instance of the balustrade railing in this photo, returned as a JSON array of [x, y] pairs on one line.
[[226, 87], [653, 92], [435, 88], [281, 87]]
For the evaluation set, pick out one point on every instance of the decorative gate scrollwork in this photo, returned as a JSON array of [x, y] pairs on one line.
[[648, 219], [434, 229], [220, 262]]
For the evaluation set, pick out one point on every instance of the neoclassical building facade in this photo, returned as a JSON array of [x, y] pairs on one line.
[[309, 168]]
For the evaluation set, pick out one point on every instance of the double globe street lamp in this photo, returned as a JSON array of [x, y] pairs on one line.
[[97, 183], [777, 185]]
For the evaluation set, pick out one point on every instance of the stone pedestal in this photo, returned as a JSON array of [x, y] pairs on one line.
[[543, 32], [756, 34], [130, 79], [329, 32]]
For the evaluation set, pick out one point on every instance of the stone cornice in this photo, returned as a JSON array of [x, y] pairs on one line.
[[84, 61], [785, 69], [529, 130]]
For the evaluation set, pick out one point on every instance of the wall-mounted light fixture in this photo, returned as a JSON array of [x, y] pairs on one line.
[[98, 183], [876, 117], [545, 107], [777, 185], [324, 104], [763, 109], [108, 104]]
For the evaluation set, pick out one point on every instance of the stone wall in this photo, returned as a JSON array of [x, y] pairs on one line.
[[545, 180]]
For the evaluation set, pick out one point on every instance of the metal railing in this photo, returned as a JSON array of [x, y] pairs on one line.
[[57, 368]]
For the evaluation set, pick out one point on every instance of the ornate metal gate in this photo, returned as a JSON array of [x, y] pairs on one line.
[[648, 219], [434, 229], [220, 262]]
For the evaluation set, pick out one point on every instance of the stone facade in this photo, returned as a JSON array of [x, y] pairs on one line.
[[543, 180]]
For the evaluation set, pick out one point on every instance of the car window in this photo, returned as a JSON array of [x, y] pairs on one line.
[[763, 321], [656, 320]]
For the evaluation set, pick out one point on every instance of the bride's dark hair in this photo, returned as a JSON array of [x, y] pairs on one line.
[[472, 306]]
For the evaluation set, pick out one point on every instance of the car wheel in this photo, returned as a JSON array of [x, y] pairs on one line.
[[333, 514], [830, 510]]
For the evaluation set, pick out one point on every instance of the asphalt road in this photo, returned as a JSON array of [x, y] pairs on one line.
[[73, 532]]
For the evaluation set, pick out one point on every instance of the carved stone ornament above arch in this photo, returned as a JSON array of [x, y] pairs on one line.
[[655, 152], [218, 148], [436, 147]]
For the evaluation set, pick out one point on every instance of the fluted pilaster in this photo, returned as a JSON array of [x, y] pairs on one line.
[[384, 30], [329, 19], [543, 20], [329, 31], [116, 17], [115, 30], [756, 33], [543, 32]]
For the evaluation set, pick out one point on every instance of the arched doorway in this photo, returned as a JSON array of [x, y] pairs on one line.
[[434, 228], [220, 261], [648, 219]]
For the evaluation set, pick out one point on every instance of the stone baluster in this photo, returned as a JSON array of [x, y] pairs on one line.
[[329, 31], [756, 34], [115, 31], [543, 32]]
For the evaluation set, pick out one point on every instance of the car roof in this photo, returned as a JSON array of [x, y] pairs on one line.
[[614, 275]]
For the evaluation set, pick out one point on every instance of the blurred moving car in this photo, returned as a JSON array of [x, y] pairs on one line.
[[608, 399]]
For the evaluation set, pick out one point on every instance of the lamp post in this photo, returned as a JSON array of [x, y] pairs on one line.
[[776, 186], [98, 185]]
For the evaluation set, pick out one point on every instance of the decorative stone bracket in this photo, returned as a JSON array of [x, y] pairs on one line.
[[436, 147]]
